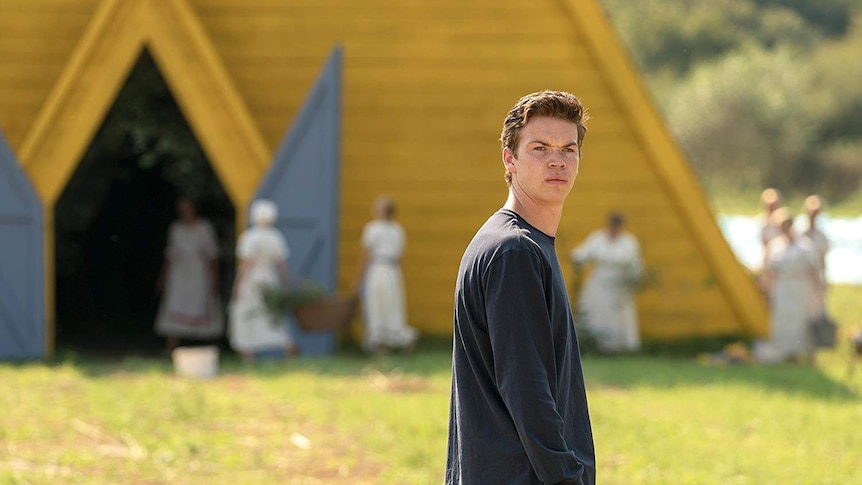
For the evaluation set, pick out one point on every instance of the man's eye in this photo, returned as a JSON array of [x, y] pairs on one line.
[[569, 150], [539, 148]]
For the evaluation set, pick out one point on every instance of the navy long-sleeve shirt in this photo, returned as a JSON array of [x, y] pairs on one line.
[[518, 411]]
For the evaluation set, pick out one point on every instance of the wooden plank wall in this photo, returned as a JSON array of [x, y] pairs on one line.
[[427, 84], [36, 40]]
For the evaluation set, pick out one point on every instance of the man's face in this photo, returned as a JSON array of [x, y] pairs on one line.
[[546, 163]]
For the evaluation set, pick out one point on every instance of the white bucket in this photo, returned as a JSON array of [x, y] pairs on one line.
[[197, 362]]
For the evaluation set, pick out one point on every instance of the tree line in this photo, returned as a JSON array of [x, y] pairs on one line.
[[758, 92]]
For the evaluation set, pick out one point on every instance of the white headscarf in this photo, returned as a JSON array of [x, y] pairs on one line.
[[263, 212]]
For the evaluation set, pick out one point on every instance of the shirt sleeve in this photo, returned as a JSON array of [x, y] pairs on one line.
[[521, 337], [367, 238], [243, 246], [210, 246], [811, 256], [637, 263], [584, 252], [402, 240], [282, 249]]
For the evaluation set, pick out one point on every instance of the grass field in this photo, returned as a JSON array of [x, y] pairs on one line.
[[355, 420]]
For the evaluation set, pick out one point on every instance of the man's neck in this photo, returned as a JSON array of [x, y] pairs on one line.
[[543, 218]]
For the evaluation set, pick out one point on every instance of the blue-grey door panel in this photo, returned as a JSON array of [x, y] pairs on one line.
[[303, 180], [22, 270]]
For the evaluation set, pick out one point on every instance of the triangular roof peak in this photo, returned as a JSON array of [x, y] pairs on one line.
[[99, 66]]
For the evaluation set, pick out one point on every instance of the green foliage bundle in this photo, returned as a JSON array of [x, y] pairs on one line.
[[280, 302]]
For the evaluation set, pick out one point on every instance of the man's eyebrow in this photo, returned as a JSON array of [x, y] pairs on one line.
[[541, 142]]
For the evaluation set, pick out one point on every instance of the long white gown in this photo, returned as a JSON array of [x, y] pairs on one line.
[[383, 297], [189, 307], [768, 232], [821, 246], [607, 301], [252, 328], [792, 265]]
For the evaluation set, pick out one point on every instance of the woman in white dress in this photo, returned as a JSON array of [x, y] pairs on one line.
[[770, 199], [381, 282], [262, 253], [607, 300], [188, 281], [812, 206], [793, 277]]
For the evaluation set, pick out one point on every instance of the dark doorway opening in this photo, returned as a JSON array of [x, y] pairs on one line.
[[111, 221]]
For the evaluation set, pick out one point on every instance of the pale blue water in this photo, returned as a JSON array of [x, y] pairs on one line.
[[843, 263]]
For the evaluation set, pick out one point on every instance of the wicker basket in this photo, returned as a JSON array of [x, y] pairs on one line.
[[332, 314]]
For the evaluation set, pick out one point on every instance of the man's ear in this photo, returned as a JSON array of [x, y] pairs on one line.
[[509, 160]]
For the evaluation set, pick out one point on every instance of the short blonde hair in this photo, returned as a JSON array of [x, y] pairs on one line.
[[385, 206], [812, 203], [780, 216], [770, 196], [263, 212]]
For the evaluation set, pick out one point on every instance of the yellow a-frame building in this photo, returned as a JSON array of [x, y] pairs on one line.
[[422, 91]]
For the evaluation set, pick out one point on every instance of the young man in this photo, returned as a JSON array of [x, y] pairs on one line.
[[519, 409]]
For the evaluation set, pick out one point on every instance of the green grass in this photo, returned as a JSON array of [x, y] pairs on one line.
[[845, 303], [657, 420]]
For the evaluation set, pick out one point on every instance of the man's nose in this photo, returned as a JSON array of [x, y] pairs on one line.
[[556, 159]]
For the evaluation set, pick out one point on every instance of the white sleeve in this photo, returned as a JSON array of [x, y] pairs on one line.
[[402, 240], [368, 236], [281, 248], [210, 245], [586, 251], [244, 246], [636, 258], [170, 244]]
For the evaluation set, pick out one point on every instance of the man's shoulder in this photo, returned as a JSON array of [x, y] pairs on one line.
[[502, 236], [503, 231]]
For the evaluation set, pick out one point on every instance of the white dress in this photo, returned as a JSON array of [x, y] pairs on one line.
[[768, 232], [821, 246], [252, 328], [189, 308], [792, 266], [607, 301], [383, 296]]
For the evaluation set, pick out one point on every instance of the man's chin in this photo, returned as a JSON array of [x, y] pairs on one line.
[[557, 198]]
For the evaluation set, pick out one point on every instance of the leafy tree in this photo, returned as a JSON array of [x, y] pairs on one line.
[[742, 119], [759, 92], [831, 17], [676, 35], [838, 75]]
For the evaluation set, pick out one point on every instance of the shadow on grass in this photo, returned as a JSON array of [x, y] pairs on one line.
[[671, 372], [431, 357], [662, 370]]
